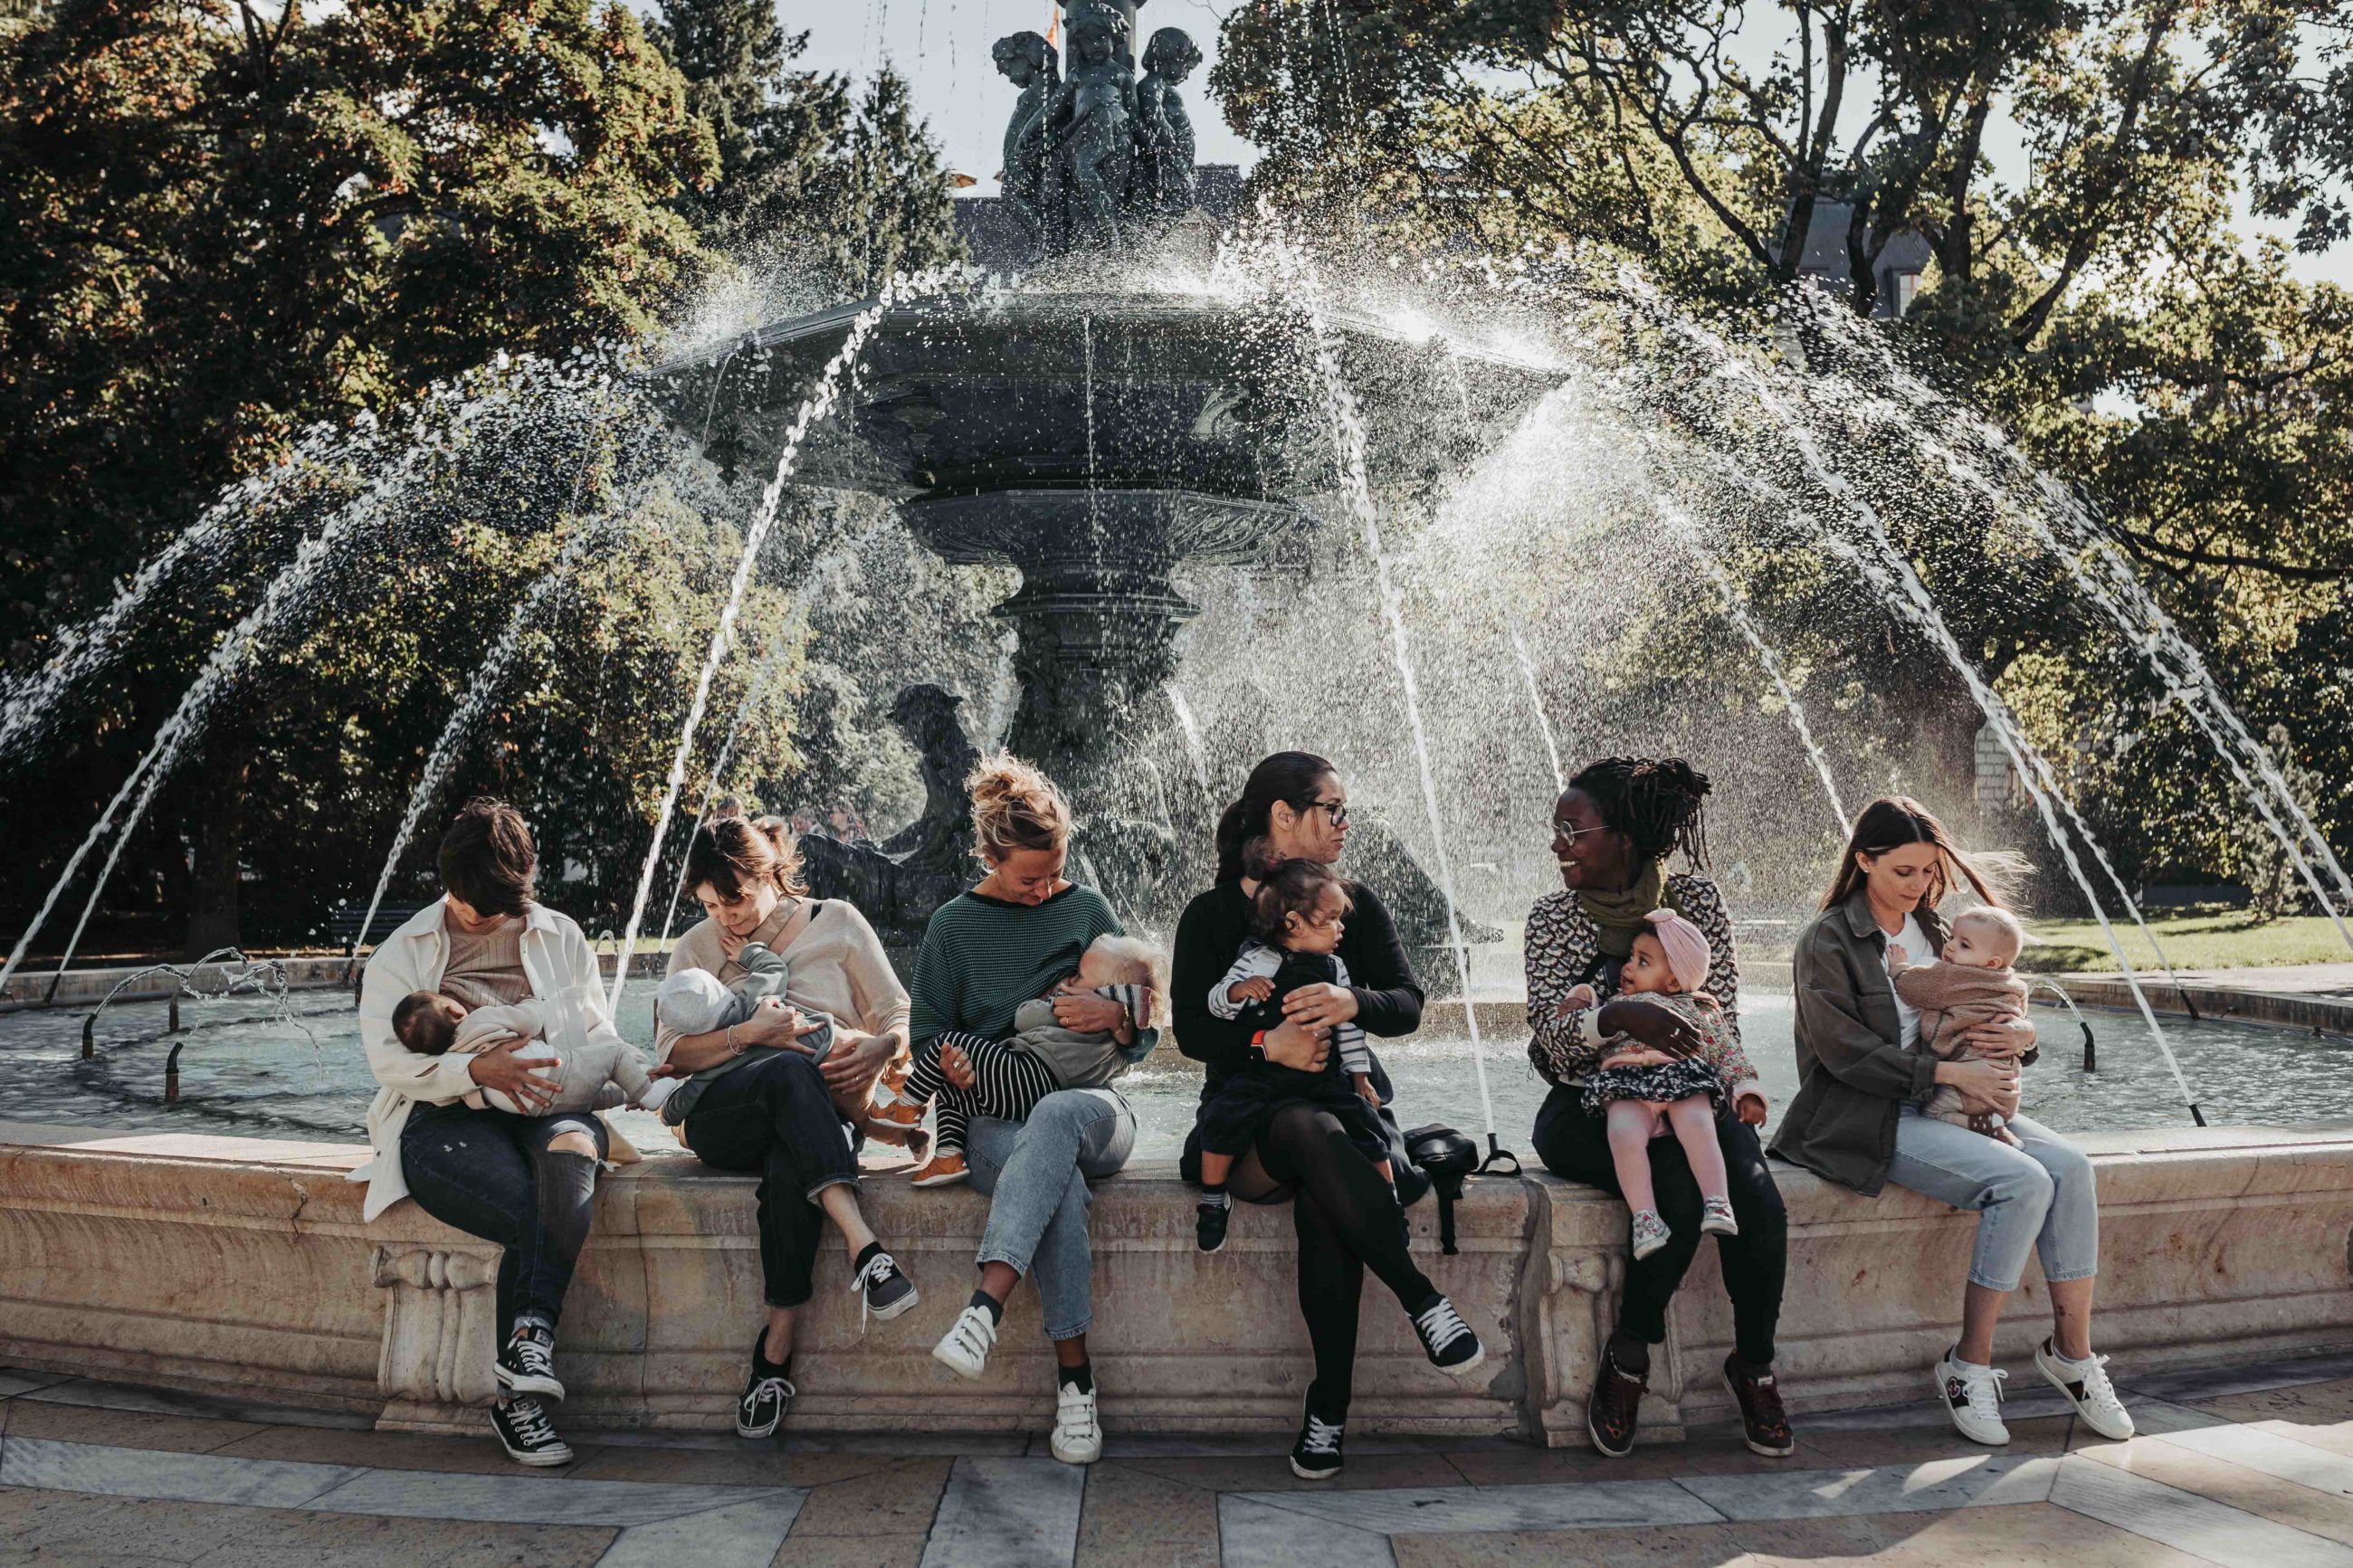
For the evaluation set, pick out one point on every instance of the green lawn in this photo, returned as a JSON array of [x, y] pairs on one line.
[[2193, 939]]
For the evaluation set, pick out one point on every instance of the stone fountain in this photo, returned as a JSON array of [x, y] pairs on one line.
[[1101, 422]]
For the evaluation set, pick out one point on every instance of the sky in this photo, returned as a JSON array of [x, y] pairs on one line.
[[941, 48]]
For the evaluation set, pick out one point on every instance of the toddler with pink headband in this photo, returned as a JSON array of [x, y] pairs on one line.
[[1645, 1094]]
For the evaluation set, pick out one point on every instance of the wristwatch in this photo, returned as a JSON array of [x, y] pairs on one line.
[[1257, 1044]]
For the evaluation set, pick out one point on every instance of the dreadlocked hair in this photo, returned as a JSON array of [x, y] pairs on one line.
[[1655, 804]]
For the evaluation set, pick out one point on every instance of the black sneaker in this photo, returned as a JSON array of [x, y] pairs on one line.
[[1209, 1225], [885, 1289], [529, 1437], [527, 1365], [766, 1400], [1611, 1409], [1763, 1420], [1317, 1455], [1447, 1340]]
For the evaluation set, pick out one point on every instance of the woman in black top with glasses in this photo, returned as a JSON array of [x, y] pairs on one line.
[[1347, 1217]]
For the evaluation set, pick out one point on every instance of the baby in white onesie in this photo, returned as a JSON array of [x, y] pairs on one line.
[[433, 1024]]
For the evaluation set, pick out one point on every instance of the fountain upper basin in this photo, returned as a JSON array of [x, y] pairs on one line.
[[1105, 392]]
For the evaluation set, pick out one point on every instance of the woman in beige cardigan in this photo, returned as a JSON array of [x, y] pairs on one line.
[[756, 1099]]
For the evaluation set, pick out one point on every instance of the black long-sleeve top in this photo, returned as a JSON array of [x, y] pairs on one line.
[[1211, 932]]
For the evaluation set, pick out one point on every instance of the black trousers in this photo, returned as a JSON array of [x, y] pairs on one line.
[[490, 1173], [1576, 1145], [775, 1119]]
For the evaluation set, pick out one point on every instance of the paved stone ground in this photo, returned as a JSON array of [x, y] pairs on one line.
[[2250, 1466]]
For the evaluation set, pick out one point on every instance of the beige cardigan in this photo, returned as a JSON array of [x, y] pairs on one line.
[[837, 967]]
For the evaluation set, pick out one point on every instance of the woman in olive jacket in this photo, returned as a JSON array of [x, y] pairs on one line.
[[1856, 1117]]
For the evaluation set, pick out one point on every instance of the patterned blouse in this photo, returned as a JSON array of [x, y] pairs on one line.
[[1562, 945]]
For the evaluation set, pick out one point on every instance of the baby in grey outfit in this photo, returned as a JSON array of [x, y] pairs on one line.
[[697, 1001]]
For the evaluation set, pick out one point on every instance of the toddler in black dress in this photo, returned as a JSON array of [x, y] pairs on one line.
[[1299, 915]]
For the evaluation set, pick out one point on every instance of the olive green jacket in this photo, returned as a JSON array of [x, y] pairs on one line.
[[1853, 1073]]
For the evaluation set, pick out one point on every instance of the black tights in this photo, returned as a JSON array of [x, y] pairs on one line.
[[1347, 1219]]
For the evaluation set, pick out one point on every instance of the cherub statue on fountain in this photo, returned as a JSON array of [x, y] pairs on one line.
[[1031, 64], [1164, 131], [1091, 121]]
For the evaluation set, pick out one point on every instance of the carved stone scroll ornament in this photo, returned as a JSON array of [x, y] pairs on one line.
[[438, 1336]]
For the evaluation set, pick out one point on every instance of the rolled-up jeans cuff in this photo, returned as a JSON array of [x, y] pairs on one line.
[[1055, 1332], [989, 1255], [2051, 1278], [1982, 1283], [849, 1182]]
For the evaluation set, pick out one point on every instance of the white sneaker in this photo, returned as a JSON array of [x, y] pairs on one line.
[[964, 1349], [1972, 1396], [1078, 1436], [2086, 1384]]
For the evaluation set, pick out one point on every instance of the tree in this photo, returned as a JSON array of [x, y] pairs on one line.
[[220, 222], [844, 188], [2179, 376]]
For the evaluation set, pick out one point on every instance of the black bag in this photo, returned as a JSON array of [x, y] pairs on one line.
[[1445, 1157]]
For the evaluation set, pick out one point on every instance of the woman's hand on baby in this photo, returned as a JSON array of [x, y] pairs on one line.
[[1750, 1107], [775, 1022], [2006, 1037], [1089, 1014], [1319, 1007], [1292, 1044], [1986, 1083], [956, 1066], [518, 1082], [856, 1060], [1653, 1023]]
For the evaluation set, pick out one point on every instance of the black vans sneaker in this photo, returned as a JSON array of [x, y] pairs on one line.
[[1446, 1338], [766, 1399], [884, 1290], [527, 1364], [529, 1437], [1317, 1455], [1209, 1225]]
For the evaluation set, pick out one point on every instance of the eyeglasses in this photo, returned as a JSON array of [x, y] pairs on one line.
[[1562, 833], [1337, 810]]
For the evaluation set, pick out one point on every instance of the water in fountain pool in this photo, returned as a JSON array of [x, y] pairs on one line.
[[244, 1073]]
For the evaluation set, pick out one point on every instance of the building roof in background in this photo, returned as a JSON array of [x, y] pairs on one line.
[[1825, 254]]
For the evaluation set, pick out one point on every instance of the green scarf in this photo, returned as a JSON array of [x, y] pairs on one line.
[[1618, 917]]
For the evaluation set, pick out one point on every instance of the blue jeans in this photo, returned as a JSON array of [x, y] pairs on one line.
[[2036, 1198], [490, 1173], [1036, 1173]]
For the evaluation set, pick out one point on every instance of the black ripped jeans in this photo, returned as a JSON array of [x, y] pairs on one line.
[[490, 1173], [1576, 1146]]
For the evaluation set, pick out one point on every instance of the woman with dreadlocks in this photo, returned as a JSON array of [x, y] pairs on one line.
[[1613, 829]]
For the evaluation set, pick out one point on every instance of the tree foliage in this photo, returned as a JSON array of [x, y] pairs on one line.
[[2101, 299]]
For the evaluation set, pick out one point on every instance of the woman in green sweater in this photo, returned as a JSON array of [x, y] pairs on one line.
[[987, 951]]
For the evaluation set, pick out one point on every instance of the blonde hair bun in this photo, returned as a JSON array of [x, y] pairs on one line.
[[1015, 807]]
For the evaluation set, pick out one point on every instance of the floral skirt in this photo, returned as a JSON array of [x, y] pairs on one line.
[[1662, 1081]]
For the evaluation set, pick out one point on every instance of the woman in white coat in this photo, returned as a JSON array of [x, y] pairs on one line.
[[527, 1183]]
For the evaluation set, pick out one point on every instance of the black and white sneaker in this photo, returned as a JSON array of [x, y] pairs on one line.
[[527, 1435], [1447, 1340], [527, 1364], [767, 1398], [884, 1289], [1209, 1225], [1317, 1455]]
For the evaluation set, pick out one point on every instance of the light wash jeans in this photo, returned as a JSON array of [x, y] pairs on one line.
[[2036, 1198], [1036, 1175]]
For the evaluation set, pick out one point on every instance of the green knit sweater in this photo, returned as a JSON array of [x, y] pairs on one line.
[[983, 957]]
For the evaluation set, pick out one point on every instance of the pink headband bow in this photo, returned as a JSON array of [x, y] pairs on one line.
[[1688, 954]]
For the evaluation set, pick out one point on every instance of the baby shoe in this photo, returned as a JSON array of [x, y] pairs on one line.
[[1715, 1218], [1650, 1233], [943, 1169]]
